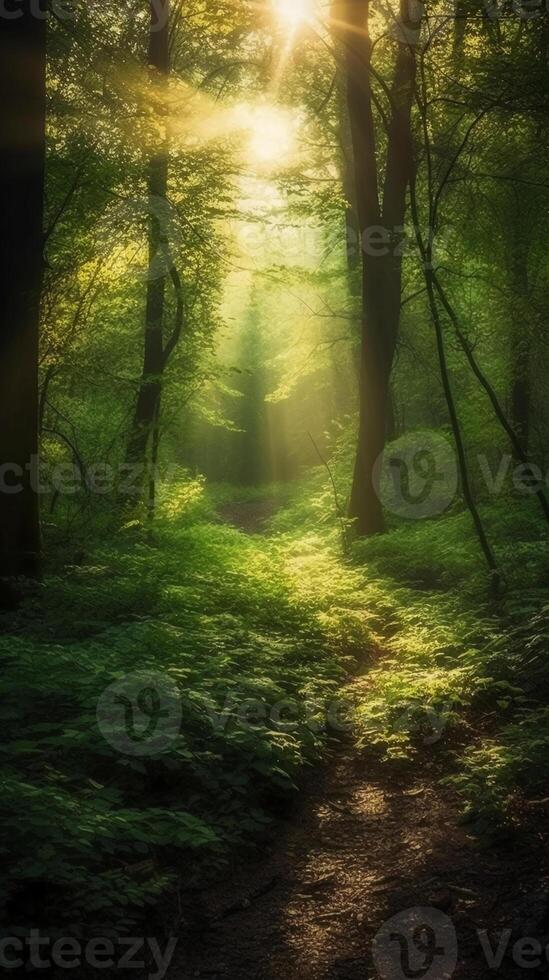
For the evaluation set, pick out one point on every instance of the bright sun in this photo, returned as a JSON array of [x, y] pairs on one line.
[[272, 137], [294, 12], [272, 134]]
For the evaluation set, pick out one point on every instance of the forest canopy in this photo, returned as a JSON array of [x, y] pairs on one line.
[[274, 293]]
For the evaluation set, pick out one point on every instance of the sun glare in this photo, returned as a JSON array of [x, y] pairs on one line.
[[272, 142], [293, 13]]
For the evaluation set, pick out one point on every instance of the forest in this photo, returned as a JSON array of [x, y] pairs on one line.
[[274, 489]]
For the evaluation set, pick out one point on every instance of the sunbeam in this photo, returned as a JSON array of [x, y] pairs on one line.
[[293, 13]]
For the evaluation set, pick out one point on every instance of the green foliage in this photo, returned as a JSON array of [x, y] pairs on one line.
[[510, 765], [218, 614], [498, 775], [448, 661], [454, 662], [243, 625]]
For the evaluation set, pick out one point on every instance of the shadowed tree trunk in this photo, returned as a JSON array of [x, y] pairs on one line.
[[381, 216], [521, 395], [348, 183], [148, 399], [143, 443], [22, 155], [434, 292], [519, 450]]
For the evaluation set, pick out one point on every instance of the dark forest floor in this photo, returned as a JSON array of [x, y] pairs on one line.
[[366, 841], [250, 516]]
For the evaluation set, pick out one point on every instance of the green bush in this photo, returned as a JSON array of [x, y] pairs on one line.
[[218, 614]]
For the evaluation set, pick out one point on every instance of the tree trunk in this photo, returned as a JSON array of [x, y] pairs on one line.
[[146, 412], [495, 577], [518, 448], [348, 184], [381, 225], [425, 247], [22, 165], [521, 395]]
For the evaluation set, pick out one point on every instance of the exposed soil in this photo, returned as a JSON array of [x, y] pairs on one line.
[[251, 515], [367, 841]]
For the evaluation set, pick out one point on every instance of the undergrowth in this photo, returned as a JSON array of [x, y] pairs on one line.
[[257, 636], [207, 609], [454, 667]]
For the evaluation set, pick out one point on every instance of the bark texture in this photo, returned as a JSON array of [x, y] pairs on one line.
[[22, 165], [381, 213], [148, 399]]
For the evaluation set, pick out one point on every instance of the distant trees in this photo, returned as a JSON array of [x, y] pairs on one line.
[[252, 445], [134, 257], [521, 229], [126, 139], [22, 163]]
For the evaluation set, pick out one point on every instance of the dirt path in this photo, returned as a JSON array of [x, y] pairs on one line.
[[364, 844], [249, 515]]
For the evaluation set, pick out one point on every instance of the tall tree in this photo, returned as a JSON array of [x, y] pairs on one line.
[[144, 433], [22, 165], [519, 255], [381, 212]]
